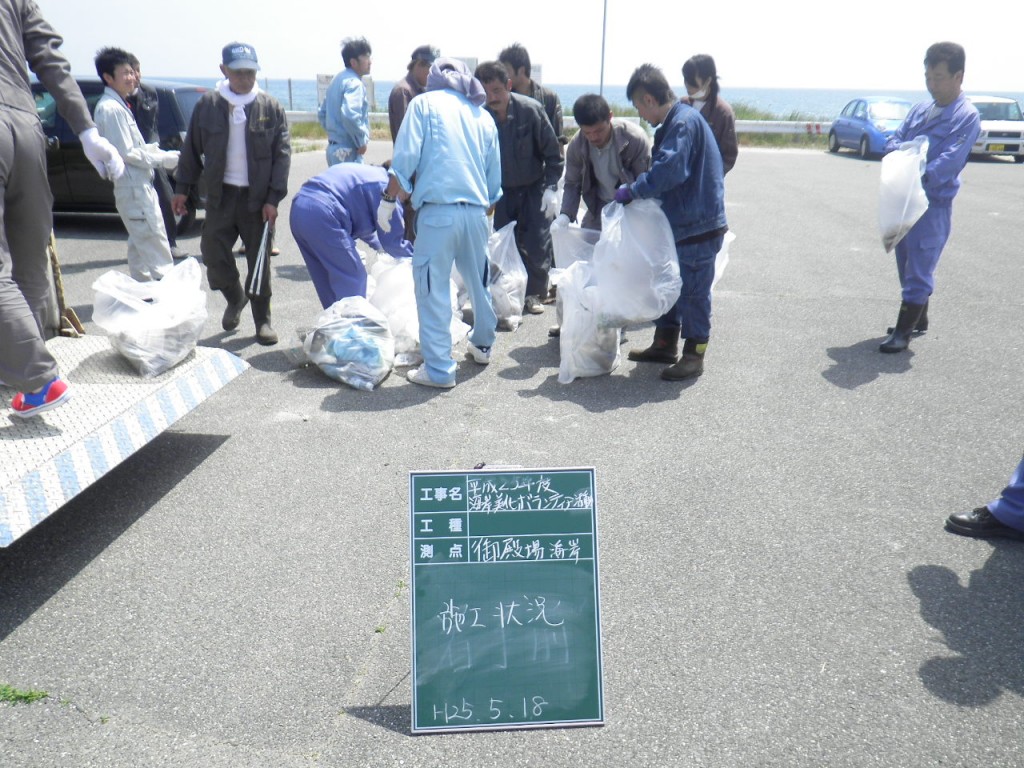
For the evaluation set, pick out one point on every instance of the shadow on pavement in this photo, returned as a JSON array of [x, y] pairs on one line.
[[38, 565], [394, 717], [982, 624], [862, 363]]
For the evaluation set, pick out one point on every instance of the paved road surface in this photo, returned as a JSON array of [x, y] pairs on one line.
[[777, 587]]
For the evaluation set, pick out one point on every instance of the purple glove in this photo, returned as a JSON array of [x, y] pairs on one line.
[[623, 195]]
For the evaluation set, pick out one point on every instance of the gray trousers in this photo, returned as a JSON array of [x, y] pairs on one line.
[[26, 291]]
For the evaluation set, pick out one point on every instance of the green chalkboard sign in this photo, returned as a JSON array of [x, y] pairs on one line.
[[506, 629]]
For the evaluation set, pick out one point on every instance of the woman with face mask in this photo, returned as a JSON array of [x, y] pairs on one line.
[[701, 80]]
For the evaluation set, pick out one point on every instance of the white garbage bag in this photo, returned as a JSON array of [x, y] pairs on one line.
[[585, 348], [635, 264], [508, 277], [901, 200], [155, 325]]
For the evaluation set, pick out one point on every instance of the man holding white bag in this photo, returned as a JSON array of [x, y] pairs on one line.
[[951, 124]]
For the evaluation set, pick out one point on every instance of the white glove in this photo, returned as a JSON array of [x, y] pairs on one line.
[[170, 160], [384, 212], [549, 203], [560, 223], [101, 154]]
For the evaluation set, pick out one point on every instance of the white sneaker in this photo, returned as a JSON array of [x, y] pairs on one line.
[[420, 376], [481, 355]]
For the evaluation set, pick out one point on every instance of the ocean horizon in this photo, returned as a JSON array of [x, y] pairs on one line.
[[782, 103]]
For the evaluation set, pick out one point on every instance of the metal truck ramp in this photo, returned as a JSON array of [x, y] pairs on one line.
[[47, 460]]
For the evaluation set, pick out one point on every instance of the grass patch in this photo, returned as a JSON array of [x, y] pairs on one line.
[[12, 695]]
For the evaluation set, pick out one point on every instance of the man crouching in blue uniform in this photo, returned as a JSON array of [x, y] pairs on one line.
[[951, 124], [686, 176]]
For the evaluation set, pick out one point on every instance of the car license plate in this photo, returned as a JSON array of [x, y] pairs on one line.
[[996, 147]]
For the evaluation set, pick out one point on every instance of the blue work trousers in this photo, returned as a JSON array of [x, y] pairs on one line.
[[692, 311], [447, 233], [918, 253], [327, 248], [1009, 507]]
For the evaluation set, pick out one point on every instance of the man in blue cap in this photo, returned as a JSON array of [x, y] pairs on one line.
[[238, 137]]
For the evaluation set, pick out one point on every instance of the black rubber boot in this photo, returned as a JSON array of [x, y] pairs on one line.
[[899, 339], [690, 365], [265, 334], [236, 303], [664, 348], [920, 326]]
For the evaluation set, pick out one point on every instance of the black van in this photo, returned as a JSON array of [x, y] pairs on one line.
[[74, 182]]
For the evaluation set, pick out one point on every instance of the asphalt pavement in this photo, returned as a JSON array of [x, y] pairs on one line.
[[777, 587]]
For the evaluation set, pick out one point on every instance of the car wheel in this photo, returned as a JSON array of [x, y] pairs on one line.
[[865, 148], [833, 142], [1018, 159]]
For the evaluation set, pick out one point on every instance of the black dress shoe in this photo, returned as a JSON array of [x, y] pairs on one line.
[[982, 524]]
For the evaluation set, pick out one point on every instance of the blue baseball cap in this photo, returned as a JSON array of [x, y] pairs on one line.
[[240, 56]]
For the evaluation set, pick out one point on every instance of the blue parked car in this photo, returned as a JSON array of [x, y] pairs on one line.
[[866, 124]]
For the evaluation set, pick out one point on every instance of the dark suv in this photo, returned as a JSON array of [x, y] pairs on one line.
[[74, 182]]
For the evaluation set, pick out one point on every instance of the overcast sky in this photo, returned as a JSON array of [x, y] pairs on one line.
[[873, 46]]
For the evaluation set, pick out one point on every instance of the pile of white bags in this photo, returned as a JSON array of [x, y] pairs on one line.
[[155, 325], [630, 275], [394, 294], [901, 200]]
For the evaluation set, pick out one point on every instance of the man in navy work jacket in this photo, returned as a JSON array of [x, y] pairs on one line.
[[951, 124], [686, 176]]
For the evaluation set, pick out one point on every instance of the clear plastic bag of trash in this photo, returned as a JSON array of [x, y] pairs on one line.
[[901, 198], [585, 348], [154, 325], [394, 294], [635, 264], [571, 244], [351, 343], [508, 277]]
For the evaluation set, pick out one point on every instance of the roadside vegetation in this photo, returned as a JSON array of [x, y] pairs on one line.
[[310, 135]]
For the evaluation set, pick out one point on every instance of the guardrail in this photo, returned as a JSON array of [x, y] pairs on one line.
[[742, 126]]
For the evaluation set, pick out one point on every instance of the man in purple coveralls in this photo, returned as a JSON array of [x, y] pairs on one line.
[[951, 124]]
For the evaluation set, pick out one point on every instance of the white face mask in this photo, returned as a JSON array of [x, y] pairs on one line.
[[700, 95]]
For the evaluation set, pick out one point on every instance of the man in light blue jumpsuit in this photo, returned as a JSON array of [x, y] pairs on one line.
[[344, 113], [1002, 518], [329, 213], [951, 124], [450, 143]]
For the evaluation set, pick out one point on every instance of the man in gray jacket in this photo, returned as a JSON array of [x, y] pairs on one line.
[[238, 137], [606, 153], [26, 201]]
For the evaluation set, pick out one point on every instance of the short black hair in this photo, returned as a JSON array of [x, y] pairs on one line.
[[515, 56], [702, 66], [353, 48], [649, 79], [108, 59], [951, 53], [590, 109], [490, 71], [133, 60]]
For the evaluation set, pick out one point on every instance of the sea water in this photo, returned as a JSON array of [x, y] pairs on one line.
[[782, 103]]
